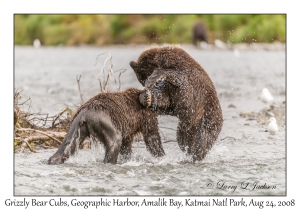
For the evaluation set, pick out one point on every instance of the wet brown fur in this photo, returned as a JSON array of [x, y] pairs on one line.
[[129, 117], [191, 96]]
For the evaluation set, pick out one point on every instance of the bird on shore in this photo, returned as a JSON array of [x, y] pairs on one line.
[[36, 43], [272, 127], [266, 96], [219, 44], [236, 53]]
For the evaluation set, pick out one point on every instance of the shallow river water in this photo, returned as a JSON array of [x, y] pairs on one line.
[[245, 160]]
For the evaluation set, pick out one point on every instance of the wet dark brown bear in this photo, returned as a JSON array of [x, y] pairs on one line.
[[175, 84], [199, 32], [114, 119]]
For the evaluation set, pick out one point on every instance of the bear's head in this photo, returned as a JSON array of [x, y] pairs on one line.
[[145, 65], [167, 57]]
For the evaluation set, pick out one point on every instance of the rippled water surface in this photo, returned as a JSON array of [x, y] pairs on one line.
[[245, 160]]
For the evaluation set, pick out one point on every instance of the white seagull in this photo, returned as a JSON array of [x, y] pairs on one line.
[[266, 96], [272, 127], [219, 44], [236, 52], [36, 43]]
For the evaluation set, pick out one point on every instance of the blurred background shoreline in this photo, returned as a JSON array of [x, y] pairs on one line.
[[126, 29]]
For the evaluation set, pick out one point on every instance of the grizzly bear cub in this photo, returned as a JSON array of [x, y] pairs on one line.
[[114, 119], [199, 32], [175, 84]]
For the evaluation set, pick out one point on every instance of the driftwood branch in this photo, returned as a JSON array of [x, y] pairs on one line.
[[30, 127], [41, 132], [27, 143]]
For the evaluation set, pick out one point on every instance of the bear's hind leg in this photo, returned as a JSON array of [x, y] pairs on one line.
[[152, 138], [112, 153], [126, 147]]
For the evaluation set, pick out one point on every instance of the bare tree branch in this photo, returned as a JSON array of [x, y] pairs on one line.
[[26, 142], [107, 72], [119, 78], [78, 84], [24, 102], [98, 57], [58, 116]]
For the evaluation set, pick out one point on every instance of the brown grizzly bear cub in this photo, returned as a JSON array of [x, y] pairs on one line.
[[113, 119], [199, 32], [175, 84]]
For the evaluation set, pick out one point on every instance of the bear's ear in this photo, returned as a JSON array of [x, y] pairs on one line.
[[141, 75], [133, 64]]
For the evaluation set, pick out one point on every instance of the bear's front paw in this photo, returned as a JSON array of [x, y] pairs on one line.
[[146, 98], [155, 78]]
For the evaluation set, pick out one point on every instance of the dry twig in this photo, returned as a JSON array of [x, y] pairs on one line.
[[105, 82], [59, 115], [78, 84], [26, 143]]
